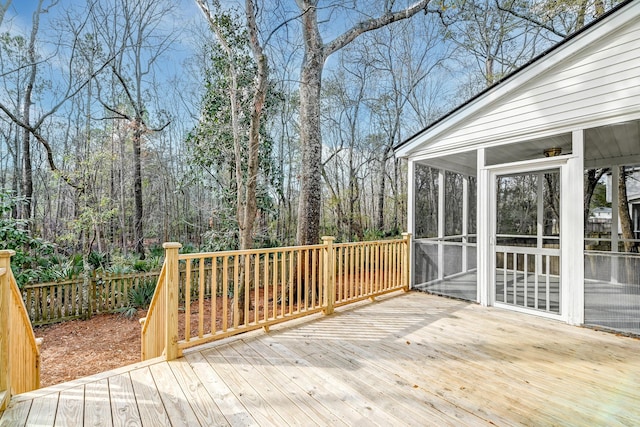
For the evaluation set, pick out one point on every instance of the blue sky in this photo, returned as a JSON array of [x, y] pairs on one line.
[[21, 10], [19, 17]]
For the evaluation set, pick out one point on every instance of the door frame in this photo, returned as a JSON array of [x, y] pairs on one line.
[[567, 167]]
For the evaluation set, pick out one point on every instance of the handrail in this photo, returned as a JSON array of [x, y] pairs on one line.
[[152, 333], [241, 252], [19, 348], [209, 296], [530, 250], [612, 253]]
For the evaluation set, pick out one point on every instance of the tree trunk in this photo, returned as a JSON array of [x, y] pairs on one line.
[[623, 212], [381, 194], [259, 94], [15, 183], [123, 209], [591, 178], [489, 70], [315, 53], [27, 170], [308, 231], [137, 187]]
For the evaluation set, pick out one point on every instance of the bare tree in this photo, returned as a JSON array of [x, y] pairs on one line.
[[498, 41], [27, 172], [591, 179], [259, 94], [557, 18], [403, 73], [70, 87], [344, 94], [135, 38], [4, 6], [316, 53]]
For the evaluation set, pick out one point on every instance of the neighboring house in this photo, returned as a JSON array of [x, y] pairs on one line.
[[504, 173], [599, 222], [601, 213], [600, 218], [634, 210], [633, 197]]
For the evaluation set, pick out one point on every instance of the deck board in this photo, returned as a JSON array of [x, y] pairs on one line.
[[150, 405], [173, 398], [16, 415], [203, 405], [413, 399], [70, 407], [43, 411], [97, 405], [316, 387], [124, 410], [291, 405], [259, 405], [319, 373], [368, 349], [413, 359], [232, 409], [288, 383]]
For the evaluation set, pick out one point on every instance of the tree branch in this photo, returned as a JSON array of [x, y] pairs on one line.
[[373, 24], [530, 19], [3, 9], [43, 141]]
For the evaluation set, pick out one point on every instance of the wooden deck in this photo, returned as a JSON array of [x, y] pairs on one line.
[[412, 359]]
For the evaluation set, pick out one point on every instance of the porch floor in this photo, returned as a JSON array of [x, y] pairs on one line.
[[411, 359]]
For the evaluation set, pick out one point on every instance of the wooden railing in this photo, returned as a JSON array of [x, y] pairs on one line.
[[208, 296], [153, 331], [19, 349], [364, 269], [53, 302]]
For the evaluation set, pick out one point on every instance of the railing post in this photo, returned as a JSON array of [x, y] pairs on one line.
[[39, 342], [5, 295], [406, 262], [329, 275], [171, 298]]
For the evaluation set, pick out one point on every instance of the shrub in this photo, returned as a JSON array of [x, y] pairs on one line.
[[32, 253], [119, 269], [156, 251], [140, 265], [98, 260], [139, 297]]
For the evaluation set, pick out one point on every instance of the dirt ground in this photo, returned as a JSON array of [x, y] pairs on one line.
[[78, 348]]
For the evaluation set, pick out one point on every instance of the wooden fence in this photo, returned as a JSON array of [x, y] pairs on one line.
[[208, 296], [19, 349], [48, 303]]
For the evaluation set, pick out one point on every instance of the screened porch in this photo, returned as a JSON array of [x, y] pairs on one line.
[[506, 225]]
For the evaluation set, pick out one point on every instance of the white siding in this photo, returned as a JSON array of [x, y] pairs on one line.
[[600, 81]]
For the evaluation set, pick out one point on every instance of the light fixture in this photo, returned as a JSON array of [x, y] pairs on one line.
[[552, 152]]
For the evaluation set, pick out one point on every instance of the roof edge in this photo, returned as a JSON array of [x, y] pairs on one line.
[[515, 72]]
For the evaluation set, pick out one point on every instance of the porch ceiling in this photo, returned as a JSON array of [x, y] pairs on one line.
[[617, 144], [611, 145], [527, 150], [464, 163]]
